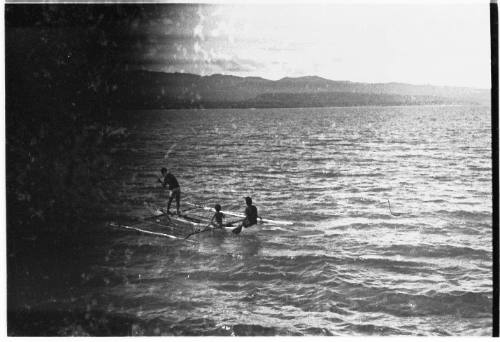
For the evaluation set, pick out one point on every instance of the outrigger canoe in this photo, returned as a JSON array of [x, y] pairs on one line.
[[186, 225]]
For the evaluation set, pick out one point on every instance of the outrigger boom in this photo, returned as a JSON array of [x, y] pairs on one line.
[[137, 229]]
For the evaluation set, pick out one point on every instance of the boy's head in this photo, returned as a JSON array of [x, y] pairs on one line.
[[217, 207], [164, 171], [248, 200]]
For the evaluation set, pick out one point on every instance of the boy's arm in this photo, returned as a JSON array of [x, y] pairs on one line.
[[162, 182]]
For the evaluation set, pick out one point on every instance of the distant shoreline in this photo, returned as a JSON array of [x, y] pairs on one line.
[[157, 90], [253, 108]]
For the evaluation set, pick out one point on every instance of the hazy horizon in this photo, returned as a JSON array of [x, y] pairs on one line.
[[441, 45], [313, 76]]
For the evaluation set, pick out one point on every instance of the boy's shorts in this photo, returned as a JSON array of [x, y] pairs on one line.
[[175, 193]]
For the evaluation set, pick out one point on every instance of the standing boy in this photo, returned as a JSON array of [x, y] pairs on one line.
[[174, 187]]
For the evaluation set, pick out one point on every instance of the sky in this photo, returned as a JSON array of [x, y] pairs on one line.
[[446, 44]]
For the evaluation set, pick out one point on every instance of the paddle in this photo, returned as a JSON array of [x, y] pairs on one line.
[[233, 222], [199, 231], [207, 228], [237, 230]]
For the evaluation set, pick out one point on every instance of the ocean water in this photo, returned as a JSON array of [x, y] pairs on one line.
[[346, 266]]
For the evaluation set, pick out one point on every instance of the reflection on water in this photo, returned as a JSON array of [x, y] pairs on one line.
[[346, 266]]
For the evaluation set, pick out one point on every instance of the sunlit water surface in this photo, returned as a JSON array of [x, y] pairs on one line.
[[346, 266]]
